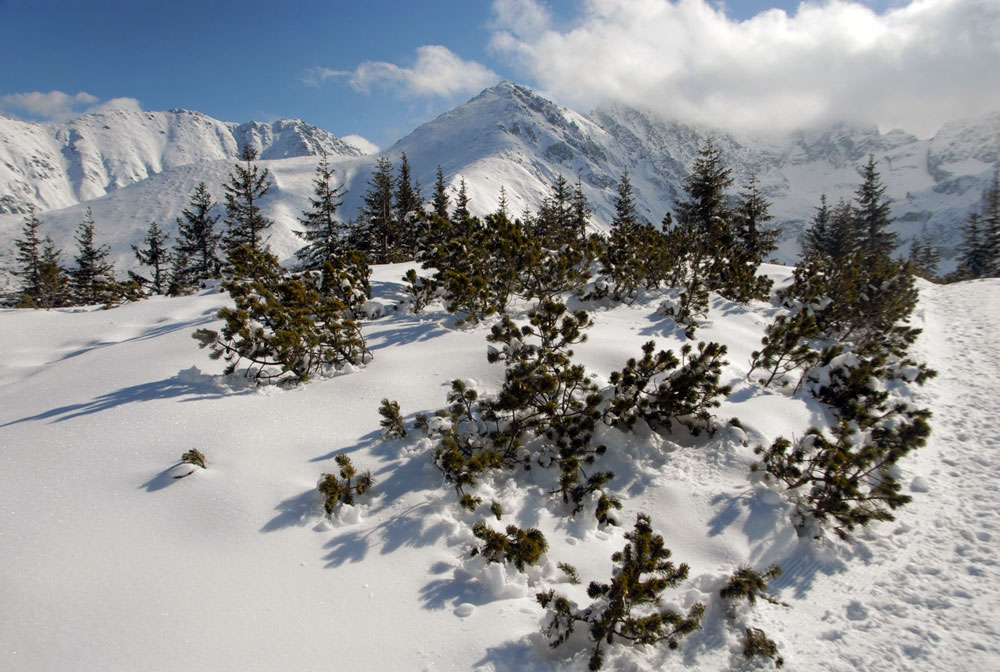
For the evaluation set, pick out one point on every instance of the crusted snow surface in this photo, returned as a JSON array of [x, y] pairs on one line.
[[108, 561]]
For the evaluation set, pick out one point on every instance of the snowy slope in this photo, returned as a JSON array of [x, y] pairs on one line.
[[108, 562]]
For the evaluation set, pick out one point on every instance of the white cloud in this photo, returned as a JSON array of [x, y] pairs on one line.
[[59, 106], [437, 72], [914, 66]]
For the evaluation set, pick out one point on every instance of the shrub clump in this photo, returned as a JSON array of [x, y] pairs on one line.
[[342, 490], [518, 547], [620, 607]]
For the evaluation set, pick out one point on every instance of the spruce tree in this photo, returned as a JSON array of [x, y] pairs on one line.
[[439, 202], [815, 239], [29, 259], [626, 217], [378, 215], [872, 213], [195, 254], [409, 206], [973, 258], [155, 255], [248, 184], [324, 233], [990, 208], [461, 212], [558, 218], [93, 275], [53, 282], [752, 213]]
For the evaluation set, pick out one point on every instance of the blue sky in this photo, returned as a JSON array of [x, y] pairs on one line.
[[380, 68]]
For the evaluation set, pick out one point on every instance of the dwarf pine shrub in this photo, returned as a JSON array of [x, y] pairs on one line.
[[195, 457], [786, 347], [747, 584], [626, 607], [756, 644], [654, 389], [343, 489], [518, 547], [283, 325], [392, 421]]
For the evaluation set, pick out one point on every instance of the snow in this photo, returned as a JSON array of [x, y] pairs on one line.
[[134, 167], [109, 561]]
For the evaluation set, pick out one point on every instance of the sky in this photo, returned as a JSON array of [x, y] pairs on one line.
[[381, 68]]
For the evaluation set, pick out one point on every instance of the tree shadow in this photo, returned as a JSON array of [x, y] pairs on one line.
[[411, 332], [297, 511], [347, 547], [761, 518], [459, 589], [519, 655], [152, 332], [190, 383], [160, 481]]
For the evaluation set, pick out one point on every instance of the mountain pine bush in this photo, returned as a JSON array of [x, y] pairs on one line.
[[627, 606], [283, 325], [342, 490]]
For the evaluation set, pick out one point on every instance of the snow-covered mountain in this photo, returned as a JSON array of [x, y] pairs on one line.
[[56, 165], [135, 167]]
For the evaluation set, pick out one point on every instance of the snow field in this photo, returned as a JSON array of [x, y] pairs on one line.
[[109, 563]]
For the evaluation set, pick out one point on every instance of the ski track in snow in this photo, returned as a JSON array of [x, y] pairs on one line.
[[922, 592]]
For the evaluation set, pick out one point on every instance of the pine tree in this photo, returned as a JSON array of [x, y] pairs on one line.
[[29, 259], [643, 570], [872, 214], [248, 184], [324, 233], [195, 254], [93, 275], [461, 212], [156, 256], [379, 214], [440, 200]]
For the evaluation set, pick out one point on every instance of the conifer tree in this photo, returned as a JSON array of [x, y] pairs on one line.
[[502, 204], [626, 217], [439, 202], [991, 223], [407, 194], [579, 213], [155, 255], [29, 259], [248, 184], [816, 239], [53, 281], [378, 215], [557, 223], [93, 275], [629, 606], [752, 213], [197, 241], [461, 212], [323, 233], [973, 258], [872, 213]]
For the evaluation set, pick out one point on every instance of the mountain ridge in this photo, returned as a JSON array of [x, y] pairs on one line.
[[506, 136]]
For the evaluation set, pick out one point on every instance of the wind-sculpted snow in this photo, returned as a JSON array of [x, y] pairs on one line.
[[109, 561]]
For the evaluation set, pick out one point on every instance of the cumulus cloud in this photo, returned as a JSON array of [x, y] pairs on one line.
[[59, 106], [913, 66], [436, 72]]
